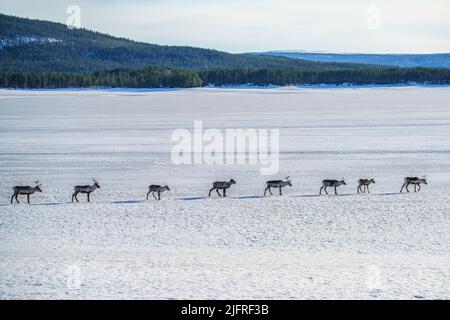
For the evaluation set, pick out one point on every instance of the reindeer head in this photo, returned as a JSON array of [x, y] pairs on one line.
[[343, 181], [371, 181], [424, 179], [289, 182], [232, 181], [38, 186], [96, 183]]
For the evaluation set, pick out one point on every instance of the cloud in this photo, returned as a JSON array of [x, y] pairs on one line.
[[253, 25]]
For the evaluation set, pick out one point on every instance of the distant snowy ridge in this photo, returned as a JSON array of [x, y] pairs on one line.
[[437, 60]]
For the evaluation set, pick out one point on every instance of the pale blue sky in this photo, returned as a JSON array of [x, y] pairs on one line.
[[378, 26]]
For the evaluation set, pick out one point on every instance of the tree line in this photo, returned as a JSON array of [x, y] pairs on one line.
[[362, 76], [151, 77], [159, 77]]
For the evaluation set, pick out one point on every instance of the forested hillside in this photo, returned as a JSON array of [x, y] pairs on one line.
[[41, 46]]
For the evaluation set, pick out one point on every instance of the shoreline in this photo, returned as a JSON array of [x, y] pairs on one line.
[[318, 86]]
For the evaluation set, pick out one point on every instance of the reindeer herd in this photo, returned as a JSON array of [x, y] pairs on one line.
[[156, 190]]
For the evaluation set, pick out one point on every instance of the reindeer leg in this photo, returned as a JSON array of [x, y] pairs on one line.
[[401, 190], [415, 188], [28, 198], [359, 188], [321, 188], [265, 191], [154, 196], [88, 197], [148, 194], [159, 195], [270, 191], [335, 190], [76, 197], [224, 191], [418, 188], [17, 198], [407, 187], [217, 190], [368, 191], [210, 192], [12, 198], [281, 193]]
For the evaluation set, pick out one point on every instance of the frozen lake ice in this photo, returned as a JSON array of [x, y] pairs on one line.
[[382, 245]]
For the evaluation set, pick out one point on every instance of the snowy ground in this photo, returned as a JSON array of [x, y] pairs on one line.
[[377, 246]]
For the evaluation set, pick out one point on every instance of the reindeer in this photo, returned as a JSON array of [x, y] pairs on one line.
[[85, 189], [158, 189], [415, 181], [331, 183], [223, 185], [25, 190], [363, 184], [277, 184]]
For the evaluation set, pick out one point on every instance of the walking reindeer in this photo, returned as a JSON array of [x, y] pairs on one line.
[[277, 184], [158, 189], [222, 185], [25, 190], [85, 189], [331, 183], [363, 185], [414, 181]]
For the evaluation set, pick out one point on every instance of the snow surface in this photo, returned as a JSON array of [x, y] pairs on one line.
[[20, 40], [384, 245]]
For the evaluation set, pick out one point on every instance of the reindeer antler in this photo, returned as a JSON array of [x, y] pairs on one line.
[[288, 178], [37, 182]]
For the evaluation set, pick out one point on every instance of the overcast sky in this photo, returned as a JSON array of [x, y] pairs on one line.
[[378, 26]]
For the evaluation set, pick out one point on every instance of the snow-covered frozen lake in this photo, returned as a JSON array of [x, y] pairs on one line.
[[384, 245]]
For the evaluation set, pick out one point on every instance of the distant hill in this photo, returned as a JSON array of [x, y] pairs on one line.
[[441, 60], [32, 45]]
